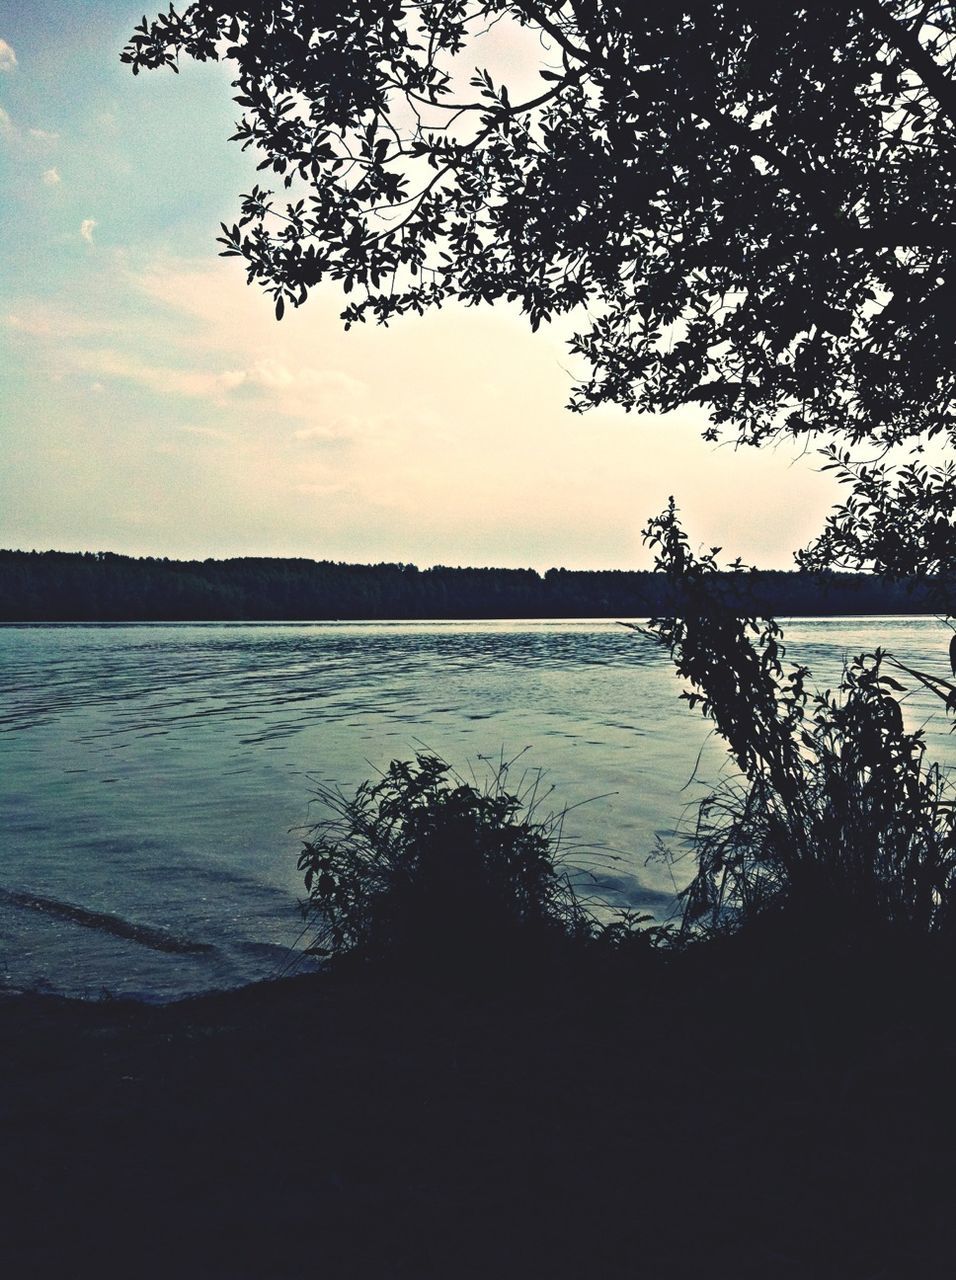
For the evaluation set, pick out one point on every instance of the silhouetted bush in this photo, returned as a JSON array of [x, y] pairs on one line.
[[859, 835], [836, 817], [424, 870]]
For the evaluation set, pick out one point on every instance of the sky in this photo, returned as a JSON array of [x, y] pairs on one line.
[[150, 403]]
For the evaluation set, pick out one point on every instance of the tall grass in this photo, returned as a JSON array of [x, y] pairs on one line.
[[836, 816]]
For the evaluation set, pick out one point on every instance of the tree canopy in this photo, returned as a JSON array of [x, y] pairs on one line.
[[750, 203]]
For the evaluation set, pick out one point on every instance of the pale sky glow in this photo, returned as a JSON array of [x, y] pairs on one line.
[[152, 405]]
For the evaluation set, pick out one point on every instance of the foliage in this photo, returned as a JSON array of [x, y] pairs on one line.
[[900, 519], [753, 199], [424, 869], [836, 817]]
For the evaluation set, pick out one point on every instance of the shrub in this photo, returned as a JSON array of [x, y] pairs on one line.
[[423, 869], [836, 816], [861, 838]]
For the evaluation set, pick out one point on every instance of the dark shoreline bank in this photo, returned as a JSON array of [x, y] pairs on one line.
[[713, 1117]]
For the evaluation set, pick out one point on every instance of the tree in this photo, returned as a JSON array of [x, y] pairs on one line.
[[752, 201]]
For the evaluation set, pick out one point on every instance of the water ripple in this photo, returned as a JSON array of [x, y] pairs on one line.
[[160, 771]]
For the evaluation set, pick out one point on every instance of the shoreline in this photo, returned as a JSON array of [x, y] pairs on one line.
[[464, 620], [730, 1118]]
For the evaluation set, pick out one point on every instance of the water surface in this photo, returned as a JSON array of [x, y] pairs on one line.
[[154, 775]]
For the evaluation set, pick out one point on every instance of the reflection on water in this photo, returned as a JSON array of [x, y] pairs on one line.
[[151, 773]]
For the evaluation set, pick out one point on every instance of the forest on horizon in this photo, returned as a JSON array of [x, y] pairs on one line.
[[60, 586]]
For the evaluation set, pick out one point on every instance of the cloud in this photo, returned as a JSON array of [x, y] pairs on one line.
[[276, 375], [327, 432], [31, 139], [36, 328], [206, 433], [289, 392], [52, 179], [163, 379], [86, 229], [319, 489], [40, 320], [8, 59]]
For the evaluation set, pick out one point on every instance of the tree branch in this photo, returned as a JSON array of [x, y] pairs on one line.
[[907, 45]]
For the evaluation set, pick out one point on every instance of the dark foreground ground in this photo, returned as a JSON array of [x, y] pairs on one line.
[[727, 1118]]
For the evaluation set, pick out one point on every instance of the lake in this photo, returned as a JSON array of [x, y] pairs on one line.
[[154, 779]]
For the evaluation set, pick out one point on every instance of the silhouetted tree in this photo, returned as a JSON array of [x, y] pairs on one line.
[[754, 199]]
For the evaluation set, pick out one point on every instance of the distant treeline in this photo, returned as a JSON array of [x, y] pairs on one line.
[[58, 586]]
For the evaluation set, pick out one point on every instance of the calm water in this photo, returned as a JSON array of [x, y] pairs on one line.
[[157, 773]]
